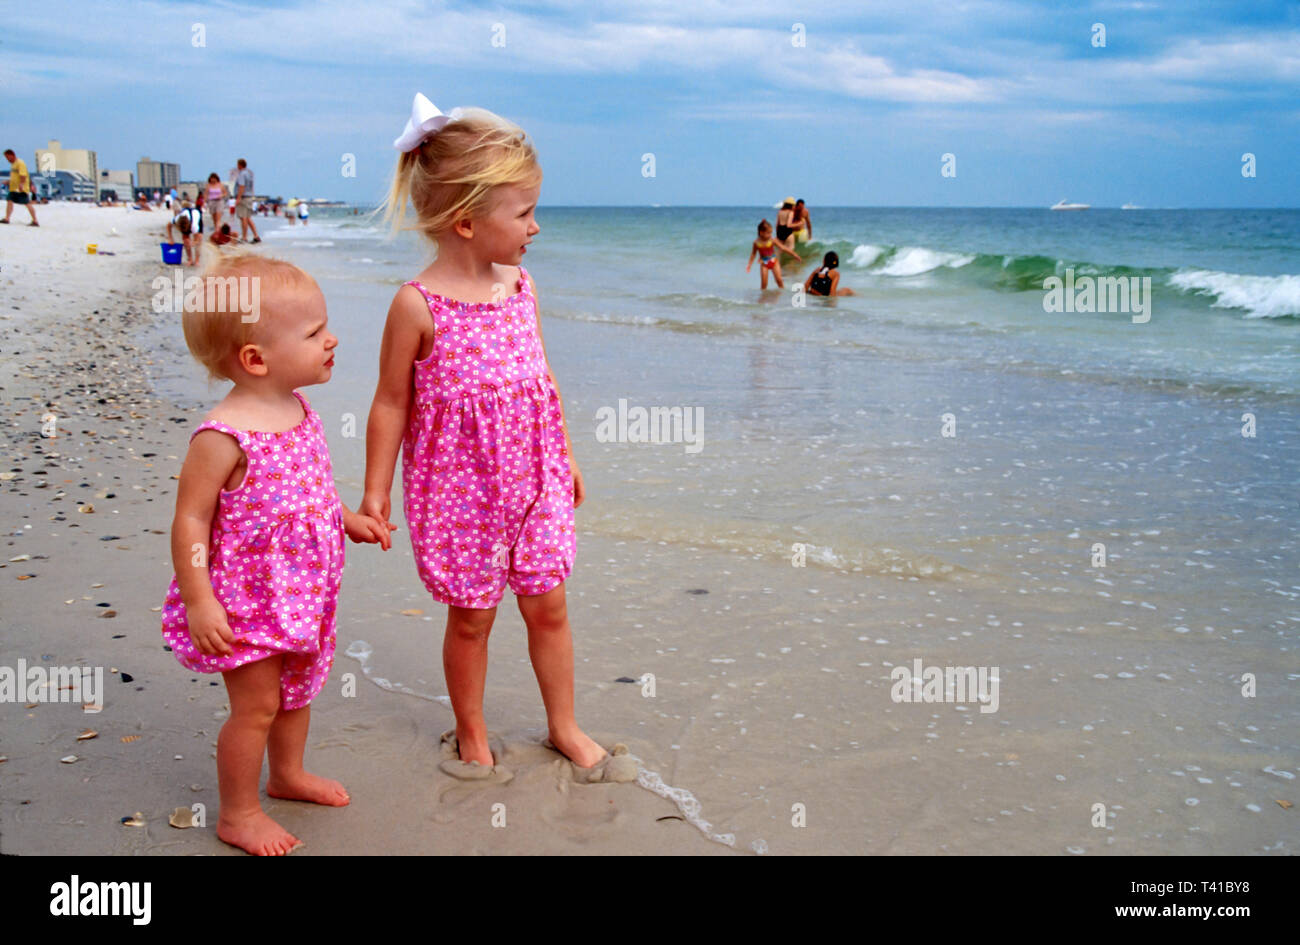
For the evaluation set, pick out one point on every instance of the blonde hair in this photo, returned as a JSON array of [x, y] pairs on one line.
[[455, 172], [213, 322]]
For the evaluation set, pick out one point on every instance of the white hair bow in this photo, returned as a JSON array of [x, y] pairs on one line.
[[425, 122]]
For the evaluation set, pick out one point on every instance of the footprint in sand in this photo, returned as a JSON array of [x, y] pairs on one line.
[[617, 767], [472, 770]]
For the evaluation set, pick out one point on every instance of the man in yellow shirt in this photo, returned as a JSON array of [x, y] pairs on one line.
[[20, 187]]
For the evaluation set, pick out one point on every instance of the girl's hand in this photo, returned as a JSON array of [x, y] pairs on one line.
[[210, 629], [579, 490], [377, 508], [363, 529]]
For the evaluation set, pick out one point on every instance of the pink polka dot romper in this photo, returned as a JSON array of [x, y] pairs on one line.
[[276, 560], [487, 489]]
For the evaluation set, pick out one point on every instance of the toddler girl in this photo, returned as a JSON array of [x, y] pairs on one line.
[[257, 541], [465, 390]]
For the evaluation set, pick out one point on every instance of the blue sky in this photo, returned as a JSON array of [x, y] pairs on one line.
[[733, 110]]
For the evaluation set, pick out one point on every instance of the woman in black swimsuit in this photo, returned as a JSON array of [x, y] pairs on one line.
[[783, 219]]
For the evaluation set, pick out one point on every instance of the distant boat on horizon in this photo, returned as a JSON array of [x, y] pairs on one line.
[[1062, 205], [1130, 206]]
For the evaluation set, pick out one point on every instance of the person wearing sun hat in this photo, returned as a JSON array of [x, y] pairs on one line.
[[784, 219]]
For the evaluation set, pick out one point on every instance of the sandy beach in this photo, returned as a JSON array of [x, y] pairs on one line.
[[88, 585], [772, 728]]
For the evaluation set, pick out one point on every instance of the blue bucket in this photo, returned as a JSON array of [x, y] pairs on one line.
[[172, 252]]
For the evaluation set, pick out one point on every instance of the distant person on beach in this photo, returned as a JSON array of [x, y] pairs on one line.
[[142, 202], [801, 221], [765, 248], [826, 280], [785, 228], [259, 606], [189, 222], [244, 201], [20, 188], [216, 198], [302, 212], [486, 509]]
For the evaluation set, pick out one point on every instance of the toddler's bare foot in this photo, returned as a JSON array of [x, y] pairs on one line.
[[257, 834], [577, 746], [305, 786]]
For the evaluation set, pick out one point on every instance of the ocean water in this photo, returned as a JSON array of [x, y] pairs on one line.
[[937, 464], [824, 423]]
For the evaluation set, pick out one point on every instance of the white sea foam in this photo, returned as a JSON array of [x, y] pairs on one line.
[[1258, 296], [361, 651], [865, 255], [914, 260]]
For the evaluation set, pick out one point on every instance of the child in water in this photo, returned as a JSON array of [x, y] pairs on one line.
[[466, 392], [826, 280], [765, 247], [257, 541]]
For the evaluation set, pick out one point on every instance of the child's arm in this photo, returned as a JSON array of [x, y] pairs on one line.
[[579, 489], [408, 316], [788, 246], [211, 459], [753, 251]]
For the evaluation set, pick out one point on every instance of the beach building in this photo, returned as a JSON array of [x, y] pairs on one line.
[[156, 175], [71, 185], [117, 185], [55, 157]]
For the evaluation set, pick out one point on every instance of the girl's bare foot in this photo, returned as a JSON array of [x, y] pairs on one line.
[[257, 834], [473, 746], [305, 786], [577, 746]]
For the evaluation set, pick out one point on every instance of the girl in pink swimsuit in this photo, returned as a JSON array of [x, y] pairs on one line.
[[465, 392], [216, 199], [257, 544]]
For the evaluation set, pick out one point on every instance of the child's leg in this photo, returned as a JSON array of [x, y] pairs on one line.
[[254, 691], [464, 663], [762, 280], [776, 271], [285, 745], [550, 647]]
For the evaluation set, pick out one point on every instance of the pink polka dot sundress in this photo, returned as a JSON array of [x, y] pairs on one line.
[[487, 489], [276, 559]]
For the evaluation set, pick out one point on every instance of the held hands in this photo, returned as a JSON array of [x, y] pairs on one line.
[[209, 628], [375, 509], [366, 529]]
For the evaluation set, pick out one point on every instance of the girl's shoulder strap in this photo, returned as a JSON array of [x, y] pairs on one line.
[[240, 436], [523, 281], [419, 287]]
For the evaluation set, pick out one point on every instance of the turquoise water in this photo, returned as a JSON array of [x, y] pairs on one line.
[[932, 425], [1225, 284], [842, 401]]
